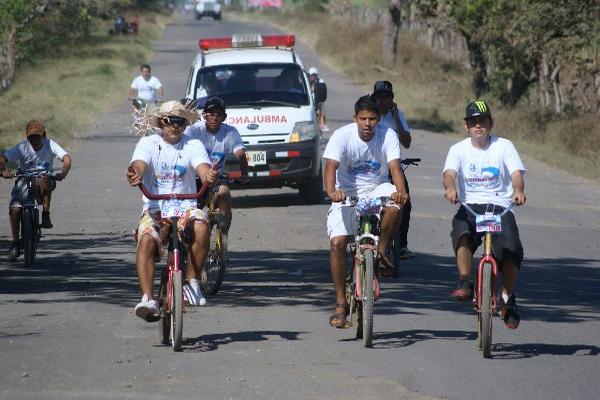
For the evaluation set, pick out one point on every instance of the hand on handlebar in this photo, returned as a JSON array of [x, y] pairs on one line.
[[134, 177], [60, 176], [400, 198], [519, 198], [7, 174], [211, 176], [451, 195], [337, 196]]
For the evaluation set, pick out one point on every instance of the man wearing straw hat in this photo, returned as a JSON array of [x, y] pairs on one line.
[[168, 162]]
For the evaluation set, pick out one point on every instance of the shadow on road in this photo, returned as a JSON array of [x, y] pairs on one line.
[[101, 268], [206, 343], [528, 350]]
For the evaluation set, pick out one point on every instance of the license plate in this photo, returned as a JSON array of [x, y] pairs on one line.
[[171, 209], [256, 158], [488, 223]]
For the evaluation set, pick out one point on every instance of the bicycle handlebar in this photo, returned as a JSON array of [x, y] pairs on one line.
[[506, 210], [352, 200], [30, 173]]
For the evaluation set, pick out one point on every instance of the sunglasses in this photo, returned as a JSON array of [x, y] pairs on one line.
[[175, 121], [472, 121]]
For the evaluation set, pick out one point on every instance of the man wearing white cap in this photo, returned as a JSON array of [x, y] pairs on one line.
[[318, 85]]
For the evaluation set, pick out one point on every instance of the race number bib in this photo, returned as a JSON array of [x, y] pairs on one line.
[[172, 208], [488, 223]]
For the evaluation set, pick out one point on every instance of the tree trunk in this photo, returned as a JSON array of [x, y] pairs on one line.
[[478, 66], [391, 24], [558, 100], [8, 57]]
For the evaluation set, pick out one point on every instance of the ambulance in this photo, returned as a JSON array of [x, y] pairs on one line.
[[268, 99]]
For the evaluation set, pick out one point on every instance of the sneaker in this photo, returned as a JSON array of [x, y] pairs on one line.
[[46, 222], [193, 294], [147, 309], [405, 253], [14, 251], [464, 291], [508, 312]]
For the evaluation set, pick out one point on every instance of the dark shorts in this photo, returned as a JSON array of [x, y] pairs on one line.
[[506, 244], [19, 192]]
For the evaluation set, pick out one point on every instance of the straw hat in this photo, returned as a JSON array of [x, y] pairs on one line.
[[172, 108], [34, 128]]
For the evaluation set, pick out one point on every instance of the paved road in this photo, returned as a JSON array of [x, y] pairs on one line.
[[67, 328]]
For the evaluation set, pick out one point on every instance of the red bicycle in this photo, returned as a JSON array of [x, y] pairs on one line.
[[170, 293], [484, 297]]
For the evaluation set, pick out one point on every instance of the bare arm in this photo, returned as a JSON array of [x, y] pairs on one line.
[[243, 160], [403, 135], [136, 171], [400, 196], [331, 167], [518, 183], [132, 93], [161, 94], [450, 186], [5, 173], [65, 168]]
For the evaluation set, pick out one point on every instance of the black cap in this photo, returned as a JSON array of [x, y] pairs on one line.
[[478, 108], [383, 86], [214, 102]]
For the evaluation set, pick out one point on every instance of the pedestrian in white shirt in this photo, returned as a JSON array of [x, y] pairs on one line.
[[146, 87]]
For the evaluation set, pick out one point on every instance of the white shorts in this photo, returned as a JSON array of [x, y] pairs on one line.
[[343, 221]]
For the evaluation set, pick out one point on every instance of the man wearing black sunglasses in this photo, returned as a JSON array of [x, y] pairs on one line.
[[169, 163], [220, 139], [490, 177]]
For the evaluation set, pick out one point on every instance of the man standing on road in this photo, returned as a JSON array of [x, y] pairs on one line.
[[169, 163], [490, 178], [146, 87], [220, 139], [393, 118], [358, 159], [318, 89]]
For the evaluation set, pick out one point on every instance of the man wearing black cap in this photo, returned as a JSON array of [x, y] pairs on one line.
[[219, 140], [490, 177], [393, 118]]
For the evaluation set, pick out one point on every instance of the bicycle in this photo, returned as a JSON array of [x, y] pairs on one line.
[[484, 297], [170, 293], [31, 232], [362, 284], [217, 260], [395, 244]]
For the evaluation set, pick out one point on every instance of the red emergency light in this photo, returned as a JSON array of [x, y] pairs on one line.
[[247, 40]]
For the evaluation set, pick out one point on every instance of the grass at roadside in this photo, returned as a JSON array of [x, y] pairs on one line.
[[433, 92], [66, 92]]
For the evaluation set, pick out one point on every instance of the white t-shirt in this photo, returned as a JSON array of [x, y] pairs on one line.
[[218, 145], [388, 121], [28, 158], [171, 168], [484, 175], [146, 89], [363, 165]]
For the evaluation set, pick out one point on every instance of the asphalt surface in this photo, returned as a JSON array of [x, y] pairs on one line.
[[68, 328]]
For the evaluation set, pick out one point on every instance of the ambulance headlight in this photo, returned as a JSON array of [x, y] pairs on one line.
[[303, 131]]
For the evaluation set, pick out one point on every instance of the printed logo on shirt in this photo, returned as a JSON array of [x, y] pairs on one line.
[[167, 174], [365, 168], [489, 178]]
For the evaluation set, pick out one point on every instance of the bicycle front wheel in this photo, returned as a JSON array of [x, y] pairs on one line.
[[216, 263], [368, 298], [164, 325], [28, 236], [485, 321], [177, 311]]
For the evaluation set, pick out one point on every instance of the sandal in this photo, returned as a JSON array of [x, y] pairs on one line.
[[338, 319], [386, 268]]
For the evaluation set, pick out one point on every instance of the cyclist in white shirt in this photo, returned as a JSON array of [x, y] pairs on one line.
[[220, 139], [358, 159], [37, 152], [169, 163], [490, 176], [146, 87], [393, 118]]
